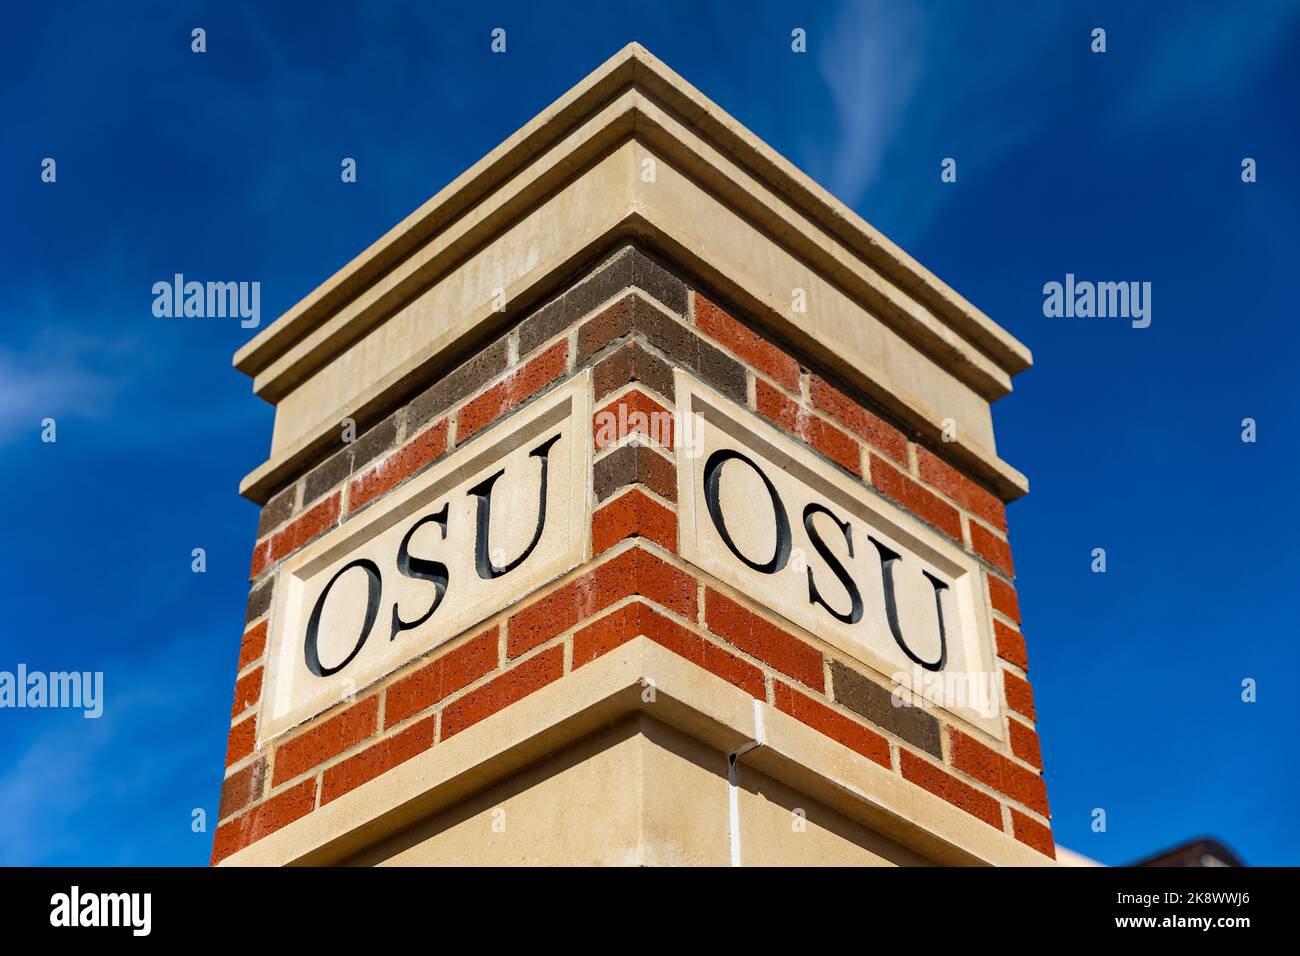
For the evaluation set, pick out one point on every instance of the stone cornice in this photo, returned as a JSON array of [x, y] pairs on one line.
[[635, 99]]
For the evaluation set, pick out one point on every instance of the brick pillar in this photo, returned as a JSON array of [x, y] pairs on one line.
[[537, 709]]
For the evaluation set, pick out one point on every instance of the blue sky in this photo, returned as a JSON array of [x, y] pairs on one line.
[[1122, 166]]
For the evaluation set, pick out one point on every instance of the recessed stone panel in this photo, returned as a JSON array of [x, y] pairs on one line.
[[772, 519], [492, 522]]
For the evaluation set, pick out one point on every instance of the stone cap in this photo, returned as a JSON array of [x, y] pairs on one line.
[[568, 184]]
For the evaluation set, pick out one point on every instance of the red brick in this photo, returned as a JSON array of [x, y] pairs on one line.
[[943, 784], [1011, 645], [892, 483], [253, 645], [264, 819], [543, 619], [397, 467], [746, 344], [325, 740], [983, 504], [872, 429], [512, 686], [441, 678], [632, 572], [360, 768], [773, 646], [637, 619], [248, 690], [617, 628], [242, 788], [261, 559], [633, 412], [1032, 833], [836, 445], [991, 548], [631, 515], [997, 771], [317, 520], [1024, 744], [1003, 598], [240, 742], [833, 724], [1020, 696], [513, 391]]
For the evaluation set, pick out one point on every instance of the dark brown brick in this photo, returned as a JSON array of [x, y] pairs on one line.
[[632, 363], [458, 384], [659, 281], [330, 473], [632, 315], [259, 600], [351, 457], [615, 273], [375, 441], [543, 325], [277, 511], [865, 697], [626, 267], [635, 464], [628, 315], [723, 373]]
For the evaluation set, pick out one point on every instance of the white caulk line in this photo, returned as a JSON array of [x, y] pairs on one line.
[[733, 796]]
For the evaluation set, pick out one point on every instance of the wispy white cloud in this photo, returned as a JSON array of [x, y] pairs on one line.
[[73, 779], [61, 371], [921, 81], [871, 63]]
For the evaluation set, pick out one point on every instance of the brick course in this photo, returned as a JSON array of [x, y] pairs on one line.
[[893, 484], [629, 320], [758, 638], [325, 739], [747, 345]]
